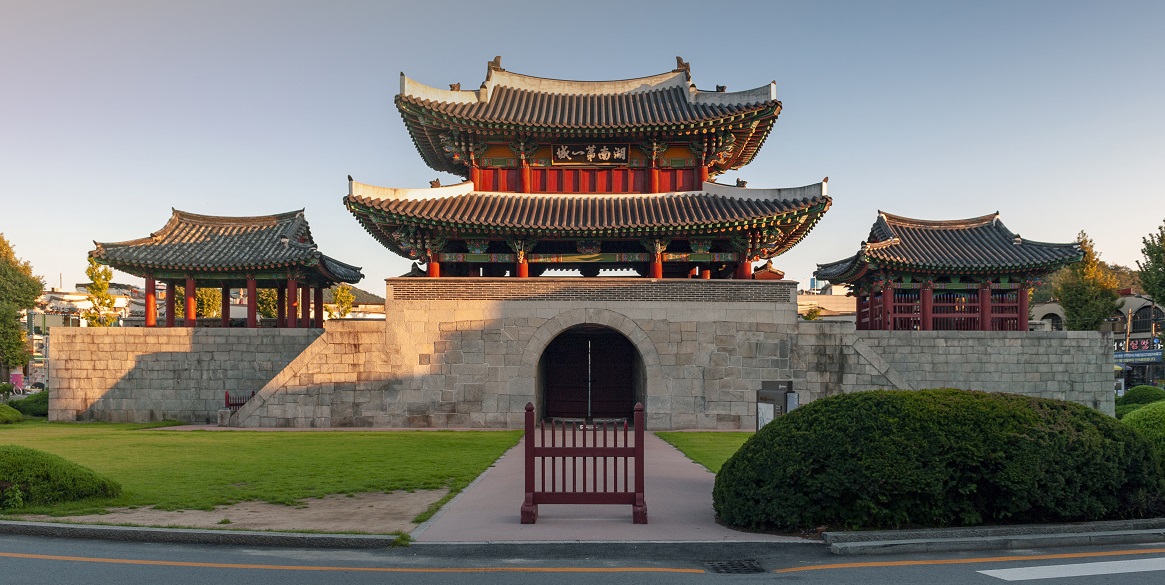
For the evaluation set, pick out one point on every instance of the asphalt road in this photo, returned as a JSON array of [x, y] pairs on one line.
[[34, 560]]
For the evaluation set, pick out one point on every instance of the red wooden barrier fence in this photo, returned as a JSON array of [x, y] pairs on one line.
[[237, 402], [596, 467]]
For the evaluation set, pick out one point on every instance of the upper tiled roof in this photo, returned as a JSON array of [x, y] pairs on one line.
[[199, 244], [667, 103], [459, 210], [965, 246]]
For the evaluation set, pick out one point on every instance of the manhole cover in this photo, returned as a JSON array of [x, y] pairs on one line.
[[738, 567]]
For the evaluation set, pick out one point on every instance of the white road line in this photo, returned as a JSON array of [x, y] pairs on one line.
[[1077, 570]]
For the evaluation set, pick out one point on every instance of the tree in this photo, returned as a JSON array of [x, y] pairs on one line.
[[1153, 268], [18, 291], [207, 302], [102, 313], [1086, 290], [342, 299], [267, 301]]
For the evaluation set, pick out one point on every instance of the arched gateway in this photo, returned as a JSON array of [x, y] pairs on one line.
[[590, 371]]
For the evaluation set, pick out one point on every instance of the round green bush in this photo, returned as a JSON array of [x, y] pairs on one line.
[[1143, 394], [34, 478], [34, 405], [9, 415], [886, 459], [1149, 420], [1124, 409]]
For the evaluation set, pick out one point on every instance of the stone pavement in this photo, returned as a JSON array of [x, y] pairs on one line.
[[679, 508]]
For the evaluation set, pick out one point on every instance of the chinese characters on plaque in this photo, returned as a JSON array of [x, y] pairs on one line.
[[589, 154]]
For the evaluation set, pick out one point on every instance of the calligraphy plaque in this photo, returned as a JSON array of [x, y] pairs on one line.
[[590, 154]]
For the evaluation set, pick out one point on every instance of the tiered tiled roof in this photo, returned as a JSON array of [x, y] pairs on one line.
[[965, 246], [540, 108], [208, 245], [717, 210]]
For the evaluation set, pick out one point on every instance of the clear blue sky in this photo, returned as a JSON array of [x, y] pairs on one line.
[[1052, 113]]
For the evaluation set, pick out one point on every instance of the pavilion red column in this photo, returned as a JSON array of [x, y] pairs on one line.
[[292, 303], [703, 178], [170, 304], [151, 303], [888, 307], [654, 186], [656, 266], [319, 306], [927, 302], [434, 268], [252, 303], [226, 306], [523, 268], [475, 175], [281, 305], [985, 307], [191, 317], [305, 306], [743, 270], [527, 179], [1023, 308], [859, 304], [706, 274]]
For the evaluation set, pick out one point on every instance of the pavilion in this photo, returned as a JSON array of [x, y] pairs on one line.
[[966, 274], [261, 252]]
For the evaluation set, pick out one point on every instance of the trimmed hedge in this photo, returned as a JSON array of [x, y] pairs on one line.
[[1149, 420], [34, 405], [886, 459], [34, 478], [1143, 394], [9, 415], [1124, 409]]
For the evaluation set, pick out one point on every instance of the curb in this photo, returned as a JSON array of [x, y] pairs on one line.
[[196, 536]]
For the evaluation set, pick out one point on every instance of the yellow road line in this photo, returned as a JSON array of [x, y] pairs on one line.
[[1111, 553], [354, 569]]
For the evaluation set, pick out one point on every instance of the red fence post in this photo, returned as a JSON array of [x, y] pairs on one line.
[[529, 508], [639, 508]]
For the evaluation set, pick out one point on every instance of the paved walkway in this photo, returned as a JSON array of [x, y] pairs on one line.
[[679, 508]]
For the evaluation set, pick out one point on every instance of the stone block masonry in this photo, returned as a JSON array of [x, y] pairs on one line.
[[467, 352], [143, 375]]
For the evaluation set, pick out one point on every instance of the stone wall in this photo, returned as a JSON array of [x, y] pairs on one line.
[[1065, 365], [142, 375], [471, 358]]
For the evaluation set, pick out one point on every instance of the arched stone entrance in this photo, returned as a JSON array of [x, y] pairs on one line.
[[590, 371]]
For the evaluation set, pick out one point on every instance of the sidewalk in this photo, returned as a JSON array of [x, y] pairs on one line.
[[679, 508]]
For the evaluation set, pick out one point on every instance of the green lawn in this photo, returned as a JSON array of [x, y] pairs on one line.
[[710, 449], [175, 470]]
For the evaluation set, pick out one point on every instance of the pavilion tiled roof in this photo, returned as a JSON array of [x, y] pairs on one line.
[[965, 246], [201, 244], [667, 103]]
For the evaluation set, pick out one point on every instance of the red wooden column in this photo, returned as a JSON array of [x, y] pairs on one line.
[[252, 303], [292, 303], [434, 268], [656, 270], [703, 178], [888, 307], [706, 274], [474, 175], [523, 268], [305, 306], [151, 302], [281, 305], [1023, 308], [170, 304], [985, 307], [927, 302], [527, 179], [654, 186], [743, 270], [319, 306], [226, 306], [859, 304], [191, 303]]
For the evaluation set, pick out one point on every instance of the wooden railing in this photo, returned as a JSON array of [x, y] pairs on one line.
[[238, 401], [583, 473]]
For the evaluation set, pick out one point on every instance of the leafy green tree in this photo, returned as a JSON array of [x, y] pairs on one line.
[[342, 299], [268, 303], [18, 290], [1086, 290], [102, 313], [1153, 268], [208, 302]]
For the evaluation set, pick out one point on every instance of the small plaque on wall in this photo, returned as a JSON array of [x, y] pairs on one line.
[[590, 154]]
